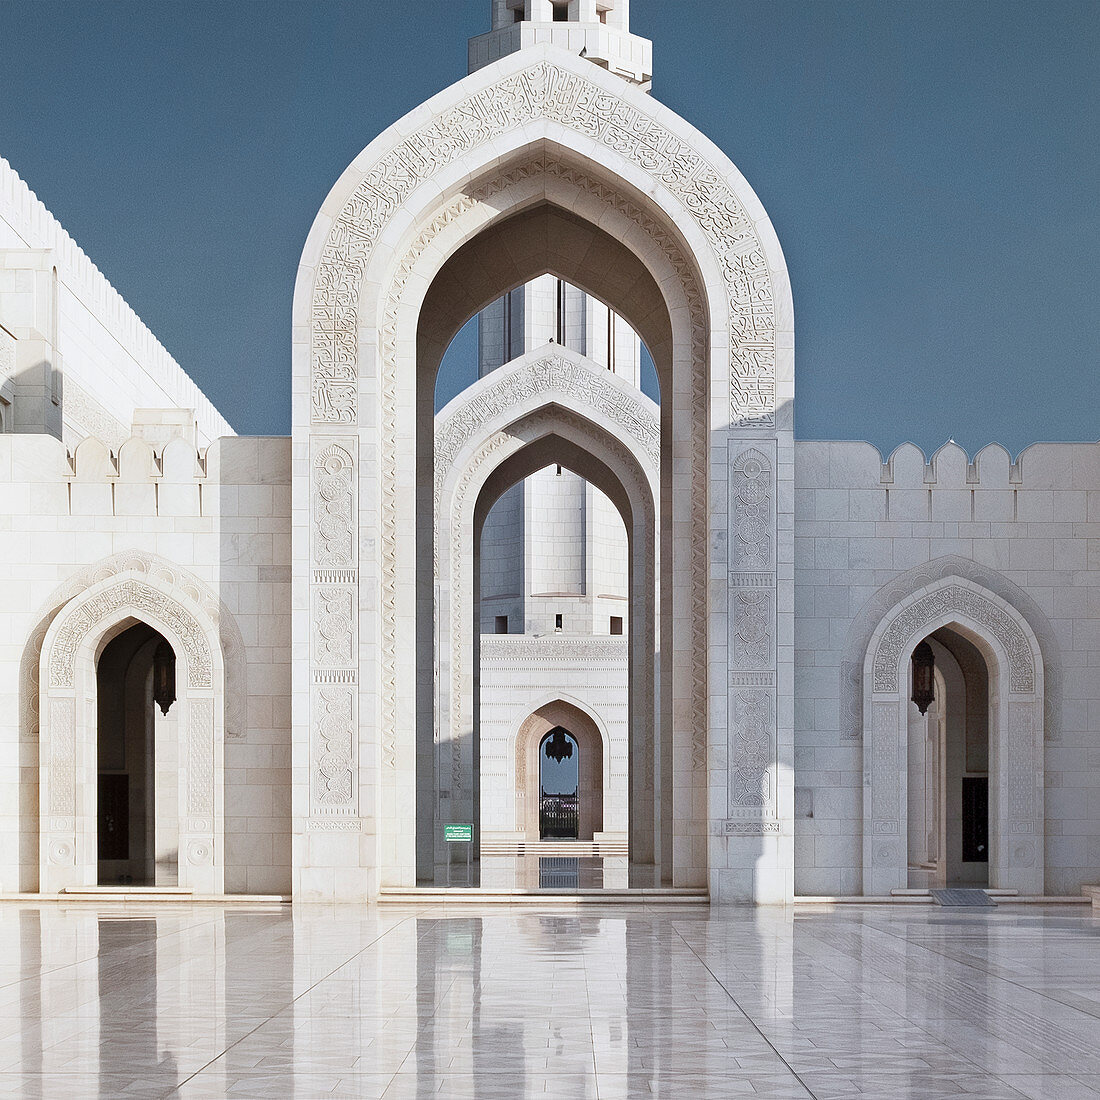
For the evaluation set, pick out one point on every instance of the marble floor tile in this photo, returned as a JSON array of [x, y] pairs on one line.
[[609, 1003]]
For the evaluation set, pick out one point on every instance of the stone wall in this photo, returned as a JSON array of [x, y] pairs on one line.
[[868, 534], [216, 521], [75, 359]]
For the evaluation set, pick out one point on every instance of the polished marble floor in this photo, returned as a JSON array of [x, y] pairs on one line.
[[604, 1002]]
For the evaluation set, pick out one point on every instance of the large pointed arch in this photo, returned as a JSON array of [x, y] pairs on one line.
[[472, 157]]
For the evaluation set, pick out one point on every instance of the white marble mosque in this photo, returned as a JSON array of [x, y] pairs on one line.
[[663, 640]]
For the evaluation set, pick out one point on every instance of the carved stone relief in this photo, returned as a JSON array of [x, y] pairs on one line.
[[910, 624], [892, 595], [751, 622], [752, 750], [200, 758], [63, 757], [334, 507], [885, 765], [579, 383], [143, 600], [334, 776], [543, 91]]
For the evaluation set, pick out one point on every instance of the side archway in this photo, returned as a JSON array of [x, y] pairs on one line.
[[68, 728], [1016, 707]]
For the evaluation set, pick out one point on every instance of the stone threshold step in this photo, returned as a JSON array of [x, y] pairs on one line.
[[1004, 897], [421, 896], [156, 894]]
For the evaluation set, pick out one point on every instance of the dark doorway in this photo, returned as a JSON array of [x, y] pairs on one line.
[[135, 683], [559, 785]]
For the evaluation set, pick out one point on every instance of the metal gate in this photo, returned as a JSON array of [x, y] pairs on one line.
[[557, 816]]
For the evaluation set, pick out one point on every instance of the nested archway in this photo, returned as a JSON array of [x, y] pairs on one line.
[[504, 428], [508, 150], [68, 743], [496, 457], [1014, 665]]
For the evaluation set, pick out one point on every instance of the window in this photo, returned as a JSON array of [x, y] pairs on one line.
[[518, 16], [502, 624], [557, 622], [561, 13], [559, 471], [616, 624]]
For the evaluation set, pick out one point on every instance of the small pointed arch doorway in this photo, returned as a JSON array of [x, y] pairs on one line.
[[137, 753], [566, 798], [935, 616]]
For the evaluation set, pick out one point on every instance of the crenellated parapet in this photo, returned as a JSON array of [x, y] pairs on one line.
[[140, 478]]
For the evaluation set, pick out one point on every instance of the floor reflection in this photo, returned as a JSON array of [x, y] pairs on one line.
[[602, 1001], [533, 871]]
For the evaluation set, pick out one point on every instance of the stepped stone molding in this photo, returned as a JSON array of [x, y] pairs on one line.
[[40, 229]]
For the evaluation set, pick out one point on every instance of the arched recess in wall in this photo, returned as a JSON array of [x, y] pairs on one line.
[[138, 564], [594, 772], [1014, 662], [538, 141], [68, 728]]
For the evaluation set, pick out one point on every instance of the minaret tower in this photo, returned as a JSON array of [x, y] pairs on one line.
[[596, 29]]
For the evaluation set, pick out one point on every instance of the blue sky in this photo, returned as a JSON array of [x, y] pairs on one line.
[[931, 169]]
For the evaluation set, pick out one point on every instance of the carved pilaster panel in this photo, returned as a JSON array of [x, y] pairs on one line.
[[334, 617], [62, 758], [333, 749], [1022, 767], [199, 739], [751, 624], [752, 753], [885, 770], [333, 504], [334, 604]]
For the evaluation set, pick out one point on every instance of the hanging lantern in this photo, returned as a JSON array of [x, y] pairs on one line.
[[924, 676], [164, 676], [558, 746]]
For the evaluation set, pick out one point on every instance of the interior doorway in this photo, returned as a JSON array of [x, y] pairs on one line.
[[559, 786], [948, 774], [137, 767]]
